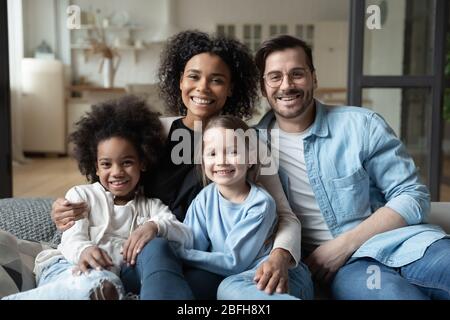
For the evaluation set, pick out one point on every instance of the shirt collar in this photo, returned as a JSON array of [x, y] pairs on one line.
[[320, 125]]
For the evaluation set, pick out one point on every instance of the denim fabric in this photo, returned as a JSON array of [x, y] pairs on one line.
[[203, 283], [356, 165], [58, 283], [424, 279], [159, 273], [242, 287]]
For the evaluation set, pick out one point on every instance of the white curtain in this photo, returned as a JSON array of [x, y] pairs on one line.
[[16, 53]]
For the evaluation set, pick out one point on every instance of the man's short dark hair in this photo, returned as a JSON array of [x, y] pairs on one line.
[[280, 43]]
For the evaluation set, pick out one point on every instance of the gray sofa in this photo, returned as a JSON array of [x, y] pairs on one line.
[[26, 228], [29, 219]]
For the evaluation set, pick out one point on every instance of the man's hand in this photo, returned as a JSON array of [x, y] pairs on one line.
[[95, 258], [326, 260], [272, 274], [137, 240], [64, 214]]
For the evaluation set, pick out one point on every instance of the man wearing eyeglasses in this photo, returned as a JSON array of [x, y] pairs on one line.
[[352, 185]]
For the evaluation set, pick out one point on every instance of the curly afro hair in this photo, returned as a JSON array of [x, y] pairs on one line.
[[244, 74], [129, 118]]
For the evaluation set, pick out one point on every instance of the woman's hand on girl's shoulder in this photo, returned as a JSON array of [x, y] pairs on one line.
[[64, 213]]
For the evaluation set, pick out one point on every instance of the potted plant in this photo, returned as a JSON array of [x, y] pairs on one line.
[[110, 57]]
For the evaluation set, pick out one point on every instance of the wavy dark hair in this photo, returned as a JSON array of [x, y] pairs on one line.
[[280, 43], [184, 45], [129, 118]]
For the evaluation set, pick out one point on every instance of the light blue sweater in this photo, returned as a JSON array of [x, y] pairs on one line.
[[229, 238]]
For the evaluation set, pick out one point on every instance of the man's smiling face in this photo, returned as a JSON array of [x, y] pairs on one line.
[[295, 94]]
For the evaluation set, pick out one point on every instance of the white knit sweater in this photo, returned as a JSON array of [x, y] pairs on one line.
[[90, 231]]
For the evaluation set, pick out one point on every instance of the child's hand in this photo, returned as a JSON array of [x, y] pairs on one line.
[[137, 240], [95, 258]]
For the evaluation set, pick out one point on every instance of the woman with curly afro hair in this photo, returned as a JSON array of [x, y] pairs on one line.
[[201, 76], [109, 248]]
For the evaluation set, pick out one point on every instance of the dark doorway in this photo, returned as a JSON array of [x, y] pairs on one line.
[[5, 112]]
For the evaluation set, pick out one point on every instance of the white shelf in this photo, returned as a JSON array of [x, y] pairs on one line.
[[113, 28], [88, 48], [110, 28], [124, 48], [80, 47]]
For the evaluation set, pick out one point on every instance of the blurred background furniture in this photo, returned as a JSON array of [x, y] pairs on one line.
[[43, 106], [150, 92]]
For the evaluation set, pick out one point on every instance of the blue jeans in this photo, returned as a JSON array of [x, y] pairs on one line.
[[197, 283], [157, 275], [242, 287], [58, 283], [203, 283], [423, 279]]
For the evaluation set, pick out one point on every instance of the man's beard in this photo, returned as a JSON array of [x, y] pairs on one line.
[[296, 111]]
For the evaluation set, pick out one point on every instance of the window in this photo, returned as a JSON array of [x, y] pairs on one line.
[[277, 29], [252, 36], [226, 30], [306, 33]]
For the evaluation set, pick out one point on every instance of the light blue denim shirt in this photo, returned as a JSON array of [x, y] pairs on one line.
[[355, 165]]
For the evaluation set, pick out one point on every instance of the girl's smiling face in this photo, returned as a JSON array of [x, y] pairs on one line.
[[224, 159], [205, 86], [118, 168]]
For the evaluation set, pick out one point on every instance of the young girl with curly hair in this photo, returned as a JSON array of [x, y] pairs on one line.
[[113, 145]]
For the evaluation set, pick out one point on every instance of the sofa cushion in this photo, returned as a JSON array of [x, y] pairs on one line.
[[28, 218], [17, 263]]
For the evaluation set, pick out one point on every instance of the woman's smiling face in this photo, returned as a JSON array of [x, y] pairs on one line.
[[205, 86]]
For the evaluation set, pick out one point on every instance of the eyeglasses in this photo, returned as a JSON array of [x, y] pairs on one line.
[[274, 79]]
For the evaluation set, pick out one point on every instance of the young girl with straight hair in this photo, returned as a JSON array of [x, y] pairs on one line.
[[233, 219]]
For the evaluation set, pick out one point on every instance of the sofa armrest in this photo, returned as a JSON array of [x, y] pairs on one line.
[[440, 215]]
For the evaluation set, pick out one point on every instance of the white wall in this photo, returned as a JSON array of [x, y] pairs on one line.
[[39, 24], [152, 15], [16, 52], [331, 53], [205, 14]]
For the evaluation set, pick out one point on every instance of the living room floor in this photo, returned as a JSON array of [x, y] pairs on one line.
[[45, 177], [52, 177]]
